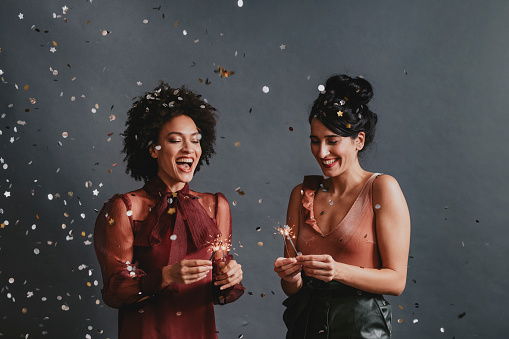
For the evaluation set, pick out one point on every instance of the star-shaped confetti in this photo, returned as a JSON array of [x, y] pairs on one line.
[[52, 49], [95, 192], [340, 113], [20, 16], [65, 9], [7, 194], [283, 46]]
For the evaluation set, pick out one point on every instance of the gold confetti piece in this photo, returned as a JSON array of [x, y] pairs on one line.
[[2, 225], [348, 125], [262, 295], [88, 22], [174, 194], [401, 307], [83, 234], [223, 72], [400, 321], [66, 214], [37, 216], [111, 221], [340, 114], [171, 210], [176, 23], [237, 144], [55, 43], [25, 87], [89, 284], [260, 244], [24, 310]]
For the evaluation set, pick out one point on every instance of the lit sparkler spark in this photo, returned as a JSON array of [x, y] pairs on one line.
[[219, 245], [286, 232]]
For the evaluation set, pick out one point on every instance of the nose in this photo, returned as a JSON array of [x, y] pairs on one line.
[[188, 147], [323, 150]]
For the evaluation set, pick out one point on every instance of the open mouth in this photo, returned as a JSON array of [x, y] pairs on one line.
[[328, 163], [185, 164]]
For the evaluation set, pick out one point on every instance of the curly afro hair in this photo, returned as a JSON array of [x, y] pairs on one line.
[[150, 112]]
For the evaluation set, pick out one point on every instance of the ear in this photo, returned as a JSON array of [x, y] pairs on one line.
[[359, 141], [154, 151]]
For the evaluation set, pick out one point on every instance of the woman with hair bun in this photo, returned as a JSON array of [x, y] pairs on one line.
[[163, 249], [351, 227]]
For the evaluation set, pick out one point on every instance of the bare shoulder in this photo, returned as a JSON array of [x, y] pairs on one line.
[[385, 184]]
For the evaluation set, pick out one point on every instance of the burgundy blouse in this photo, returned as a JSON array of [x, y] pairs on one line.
[[136, 235]]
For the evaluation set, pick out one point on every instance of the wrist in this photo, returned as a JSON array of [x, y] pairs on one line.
[[166, 280]]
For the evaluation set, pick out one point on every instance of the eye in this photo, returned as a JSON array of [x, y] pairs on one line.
[[174, 141], [315, 141], [332, 142]]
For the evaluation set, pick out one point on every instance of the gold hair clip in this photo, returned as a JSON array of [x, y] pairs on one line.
[[340, 113]]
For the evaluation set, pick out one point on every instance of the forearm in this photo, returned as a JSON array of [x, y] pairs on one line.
[[291, 288], [379, 281]]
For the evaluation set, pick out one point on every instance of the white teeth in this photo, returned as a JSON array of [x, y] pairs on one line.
[[328, 162], [190, 161]]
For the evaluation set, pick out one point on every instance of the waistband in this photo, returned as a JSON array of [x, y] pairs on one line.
[[334, 288]]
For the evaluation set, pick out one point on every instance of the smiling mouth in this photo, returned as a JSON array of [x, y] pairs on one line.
[[328, 163], [185, 164]]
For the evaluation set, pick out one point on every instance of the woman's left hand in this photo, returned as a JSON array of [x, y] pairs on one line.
[[319, 266], [229, 274]]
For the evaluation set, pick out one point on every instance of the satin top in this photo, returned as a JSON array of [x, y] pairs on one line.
[[353, 240]]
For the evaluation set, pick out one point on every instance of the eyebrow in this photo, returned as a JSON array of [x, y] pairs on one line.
[[327, 136], [180, 133]]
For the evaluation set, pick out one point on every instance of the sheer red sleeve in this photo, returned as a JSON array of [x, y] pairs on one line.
[[123, 282], [224, 223]]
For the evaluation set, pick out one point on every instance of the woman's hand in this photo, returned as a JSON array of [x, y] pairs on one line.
[[321, 267], [288, 269], [230, 274], [186, 272]]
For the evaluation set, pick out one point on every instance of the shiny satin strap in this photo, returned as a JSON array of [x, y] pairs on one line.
[[179, 213]]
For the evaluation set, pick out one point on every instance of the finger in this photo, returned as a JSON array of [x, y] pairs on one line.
[[193, 278], [232, 281], [284, 261], [292, 270], [196, 262], [235, 270], [195, 269], [232, 265]]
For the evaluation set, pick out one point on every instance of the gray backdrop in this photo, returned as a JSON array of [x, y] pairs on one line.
[[439, 69]]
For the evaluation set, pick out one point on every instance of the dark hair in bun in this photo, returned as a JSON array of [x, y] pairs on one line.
[[342, 107]]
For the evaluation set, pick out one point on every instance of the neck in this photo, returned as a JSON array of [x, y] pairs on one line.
[[348, 179], [173, 186]]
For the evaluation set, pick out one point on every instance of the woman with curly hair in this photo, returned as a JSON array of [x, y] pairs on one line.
[[158, 246], [352, 227]]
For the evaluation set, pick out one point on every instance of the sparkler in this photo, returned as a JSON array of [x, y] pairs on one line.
[[219, 245], [286, 232]]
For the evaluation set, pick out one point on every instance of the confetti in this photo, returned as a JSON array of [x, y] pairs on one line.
[[240, 3], [377, 206], [260, 244], [321, 88], [173, 237], [237, 144], [265, 89]]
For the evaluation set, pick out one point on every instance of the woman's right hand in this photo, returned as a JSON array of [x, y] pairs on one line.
[[186, 271], [288, 269]]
